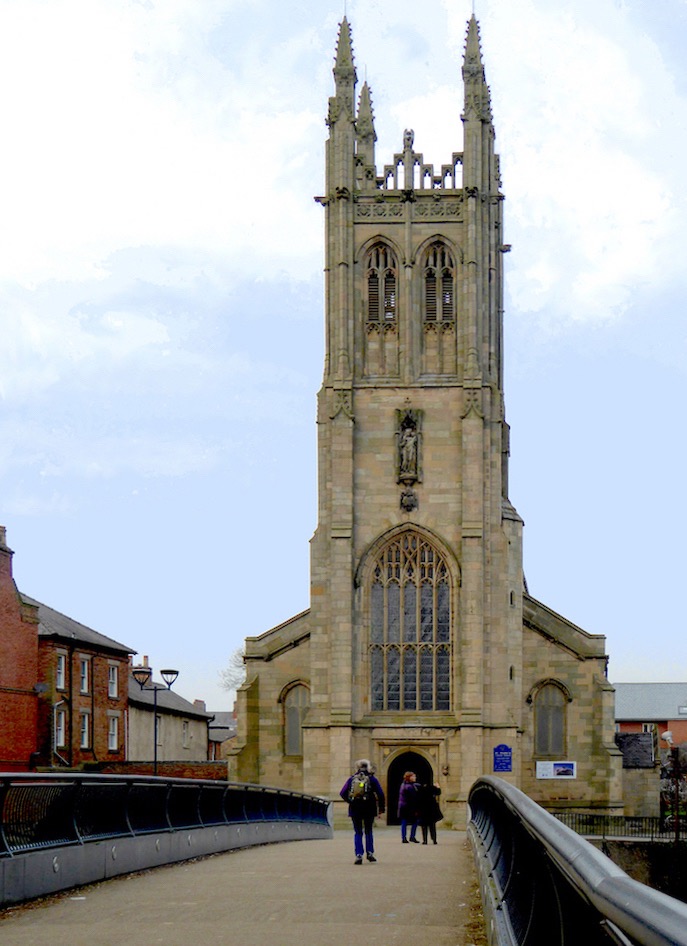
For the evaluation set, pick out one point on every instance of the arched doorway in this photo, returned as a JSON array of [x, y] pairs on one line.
[[406, 762]]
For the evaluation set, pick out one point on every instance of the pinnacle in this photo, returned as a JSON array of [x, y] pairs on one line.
[[343, 66], [365, 120], [472, 64]]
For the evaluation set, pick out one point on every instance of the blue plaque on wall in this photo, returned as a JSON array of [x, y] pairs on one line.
[[503, 758]]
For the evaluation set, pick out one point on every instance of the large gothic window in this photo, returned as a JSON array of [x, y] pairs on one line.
[[549, 721], [410, 627], [439, 285], [381, 285], [296, 703]]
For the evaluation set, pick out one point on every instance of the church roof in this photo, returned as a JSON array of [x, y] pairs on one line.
[[560, 630], [648, 702]]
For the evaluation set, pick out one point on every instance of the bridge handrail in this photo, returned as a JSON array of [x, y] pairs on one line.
[[541, 882], [54, 809]]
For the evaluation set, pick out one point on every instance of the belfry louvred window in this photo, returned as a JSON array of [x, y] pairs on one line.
[[439, 285], [381, 285], [410, 628]]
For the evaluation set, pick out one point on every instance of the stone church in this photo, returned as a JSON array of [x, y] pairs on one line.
[[421, 649]]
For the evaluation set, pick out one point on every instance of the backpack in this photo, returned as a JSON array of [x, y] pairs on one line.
[[359, 789]]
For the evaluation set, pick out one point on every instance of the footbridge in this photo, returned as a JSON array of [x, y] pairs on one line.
[[518, 877]]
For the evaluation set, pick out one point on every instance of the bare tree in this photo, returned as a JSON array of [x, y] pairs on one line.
[[233, 675]]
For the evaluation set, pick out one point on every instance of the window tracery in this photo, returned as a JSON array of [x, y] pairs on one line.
[[381, 286], [439, 285], [410, 627]]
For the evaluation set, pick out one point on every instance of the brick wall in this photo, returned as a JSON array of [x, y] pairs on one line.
[[199, 770], [18, 670], [95, 703]]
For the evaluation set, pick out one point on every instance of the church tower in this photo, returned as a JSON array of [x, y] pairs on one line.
[[420, 649]]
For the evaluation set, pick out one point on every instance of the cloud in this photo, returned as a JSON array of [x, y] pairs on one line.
[[593, 206], [127, 133]]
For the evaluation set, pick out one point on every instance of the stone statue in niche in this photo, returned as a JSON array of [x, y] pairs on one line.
[[408, 446], [408, 439]]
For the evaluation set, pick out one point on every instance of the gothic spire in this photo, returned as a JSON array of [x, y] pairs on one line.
[[365, 122], [365, 134], [477, 98], [344, 70]]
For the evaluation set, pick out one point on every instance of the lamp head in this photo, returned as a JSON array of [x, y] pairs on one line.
[[667, 736], [169, 676], [142, 675]]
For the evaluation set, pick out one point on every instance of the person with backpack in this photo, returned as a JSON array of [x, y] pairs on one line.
[[365, 798]]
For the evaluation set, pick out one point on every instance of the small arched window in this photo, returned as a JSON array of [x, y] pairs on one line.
[[381, 285], [296, 703], [549, 721], [439, 285]]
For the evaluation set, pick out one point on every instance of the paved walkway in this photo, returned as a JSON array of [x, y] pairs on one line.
[[301, 893]]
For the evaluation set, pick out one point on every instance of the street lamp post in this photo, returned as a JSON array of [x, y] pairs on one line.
[[675, 772], [143, 676]]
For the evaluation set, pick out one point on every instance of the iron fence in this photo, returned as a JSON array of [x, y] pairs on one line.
[[620, 826]]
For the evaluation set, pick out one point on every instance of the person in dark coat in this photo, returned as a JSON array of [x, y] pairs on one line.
[[363, 810], [408, 807], [429, 810]]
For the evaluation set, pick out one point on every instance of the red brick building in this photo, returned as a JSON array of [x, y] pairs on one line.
[[83, 679], [66, 698], [18, 670], [652, 707]]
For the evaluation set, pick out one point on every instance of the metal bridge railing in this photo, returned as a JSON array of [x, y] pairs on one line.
[[43, 811], [543, 884]]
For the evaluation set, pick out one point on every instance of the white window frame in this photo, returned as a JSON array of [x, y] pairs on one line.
[[61, 672], [113, 681], [85, 728], [112, 733], [185, 733], [60, 729], [84, 675]]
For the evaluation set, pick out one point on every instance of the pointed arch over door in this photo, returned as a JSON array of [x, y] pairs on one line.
[[408, 761], [410, 643]]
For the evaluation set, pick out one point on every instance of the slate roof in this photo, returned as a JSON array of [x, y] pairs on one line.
[[637, 749], [166, 700], [52, 623], [648, 702], [222, 727]]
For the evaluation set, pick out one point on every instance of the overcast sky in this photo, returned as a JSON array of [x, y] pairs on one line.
[[161, 302]]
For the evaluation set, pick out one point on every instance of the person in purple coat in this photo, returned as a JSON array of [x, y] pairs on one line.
[[365, 798], [408, 804]]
